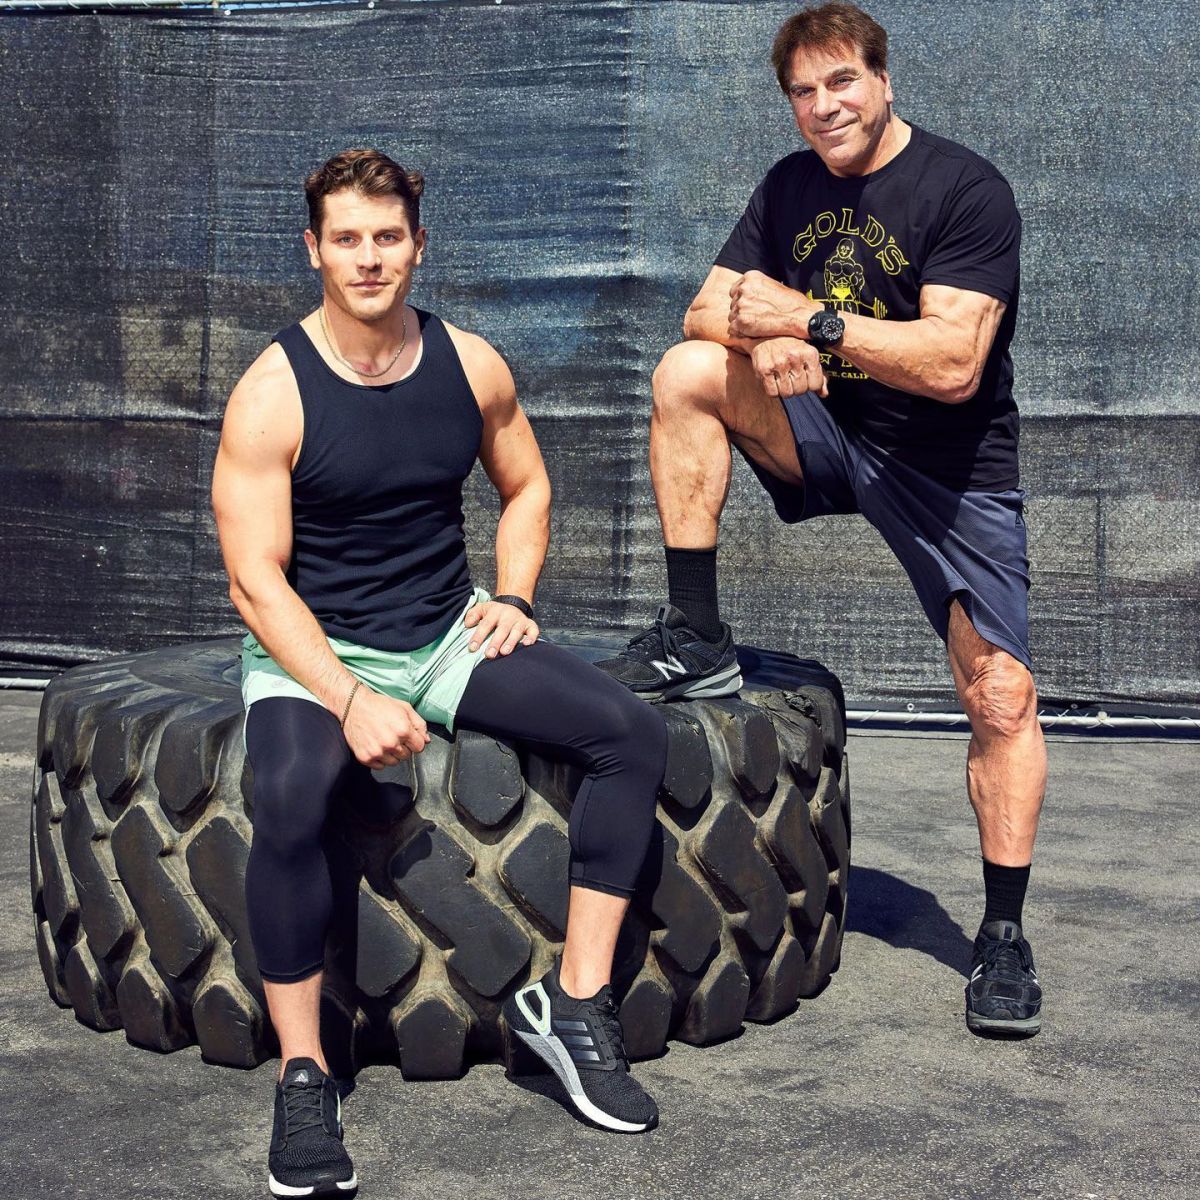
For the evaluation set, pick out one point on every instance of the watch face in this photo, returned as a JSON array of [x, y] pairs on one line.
[[826, 328]]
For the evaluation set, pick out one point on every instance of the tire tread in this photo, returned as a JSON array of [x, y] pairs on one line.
[[140, 831]]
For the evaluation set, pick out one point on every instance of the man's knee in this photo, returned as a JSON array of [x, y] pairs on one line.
[[292, 801], [629, 737], [644, 738], [1000, 698], [690, 374]]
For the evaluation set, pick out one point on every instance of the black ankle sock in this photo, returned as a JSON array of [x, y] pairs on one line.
[[692, 588], [1004, 889]]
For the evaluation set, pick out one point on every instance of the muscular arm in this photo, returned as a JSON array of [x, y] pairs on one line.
[[707, 319], [785, 365], [510, 456], [252, 499], [940, 355]]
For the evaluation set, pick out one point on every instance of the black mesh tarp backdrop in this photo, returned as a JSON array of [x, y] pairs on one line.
[[584, 163]]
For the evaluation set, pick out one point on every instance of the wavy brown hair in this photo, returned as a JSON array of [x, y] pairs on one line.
[[370, 173], [830, 28]]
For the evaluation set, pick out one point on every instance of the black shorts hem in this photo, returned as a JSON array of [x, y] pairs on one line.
[[1004, 640], [292, 976], [594, 885]]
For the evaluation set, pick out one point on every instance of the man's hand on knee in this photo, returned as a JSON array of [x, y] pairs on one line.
[[381, 731], [500, 627], [787, 366]]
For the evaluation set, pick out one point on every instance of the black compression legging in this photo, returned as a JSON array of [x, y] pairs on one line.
[[540, 695]]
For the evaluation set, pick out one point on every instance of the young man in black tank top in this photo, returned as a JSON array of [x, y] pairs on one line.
[[338, 491]]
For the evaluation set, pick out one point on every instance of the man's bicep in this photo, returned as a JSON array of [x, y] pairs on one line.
[[252, 504], [750, 245], [961, 307], [509, 453], [252, 481], [979, 243]]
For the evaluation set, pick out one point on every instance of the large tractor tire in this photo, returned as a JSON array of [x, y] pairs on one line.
[[451, 889]]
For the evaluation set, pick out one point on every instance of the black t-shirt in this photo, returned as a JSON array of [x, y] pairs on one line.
[[936, 214]]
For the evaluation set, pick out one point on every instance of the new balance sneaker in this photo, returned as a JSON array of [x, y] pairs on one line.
[[307, 1157], [670, 661], [581, 1042], [1003, 993]]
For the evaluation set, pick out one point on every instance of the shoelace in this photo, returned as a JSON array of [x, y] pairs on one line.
[[302, 1104], [651, 643], [1008, 960], [610, 1022]]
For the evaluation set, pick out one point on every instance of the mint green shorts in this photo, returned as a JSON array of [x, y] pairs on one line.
[[431, 679]]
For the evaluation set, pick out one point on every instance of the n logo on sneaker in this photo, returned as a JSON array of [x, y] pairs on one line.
[[671, 667]]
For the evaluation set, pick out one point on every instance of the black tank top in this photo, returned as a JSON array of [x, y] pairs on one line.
[[377, 522]]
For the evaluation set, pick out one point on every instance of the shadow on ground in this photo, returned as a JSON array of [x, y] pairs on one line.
[[907, 917]]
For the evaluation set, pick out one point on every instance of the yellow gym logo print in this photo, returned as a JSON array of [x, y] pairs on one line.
[[882, 246], [845, 280]]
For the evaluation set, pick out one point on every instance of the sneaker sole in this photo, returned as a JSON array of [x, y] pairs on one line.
[[556, 1056], [726, 683], [337, 1188], [1026, 1026]]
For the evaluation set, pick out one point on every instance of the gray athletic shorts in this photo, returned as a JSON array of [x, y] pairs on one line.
[[969, 545]]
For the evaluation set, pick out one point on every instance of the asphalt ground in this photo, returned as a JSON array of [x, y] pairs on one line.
[[873, 1089]]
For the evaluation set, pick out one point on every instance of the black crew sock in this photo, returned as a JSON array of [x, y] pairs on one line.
[[692, 588], [1004, 889]]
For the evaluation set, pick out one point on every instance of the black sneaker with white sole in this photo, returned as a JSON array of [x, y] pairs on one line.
[[307, 1157], [1003, 993], [671, 661], [581, 1042]]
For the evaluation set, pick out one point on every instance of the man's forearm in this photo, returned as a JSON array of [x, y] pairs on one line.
[[939, 355], [522, 538], [711, 324], [286, 628], [919, 357]]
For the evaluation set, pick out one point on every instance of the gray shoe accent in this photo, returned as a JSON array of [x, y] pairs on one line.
[[554, 1054], [282, 1189], [978, 1024], [724, 683]]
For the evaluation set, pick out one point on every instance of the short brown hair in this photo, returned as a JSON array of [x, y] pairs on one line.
[[830, 27], [370, 173]]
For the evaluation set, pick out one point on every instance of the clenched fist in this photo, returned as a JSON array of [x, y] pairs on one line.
[[759, 307], [787, 366], [381, 731]]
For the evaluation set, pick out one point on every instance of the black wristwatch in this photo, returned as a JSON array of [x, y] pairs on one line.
[[517, 602], [826, 329]]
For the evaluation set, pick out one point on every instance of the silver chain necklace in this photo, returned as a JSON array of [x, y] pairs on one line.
[[350, 365]]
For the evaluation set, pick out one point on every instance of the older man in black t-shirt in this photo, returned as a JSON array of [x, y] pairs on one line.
[[852, 343]]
